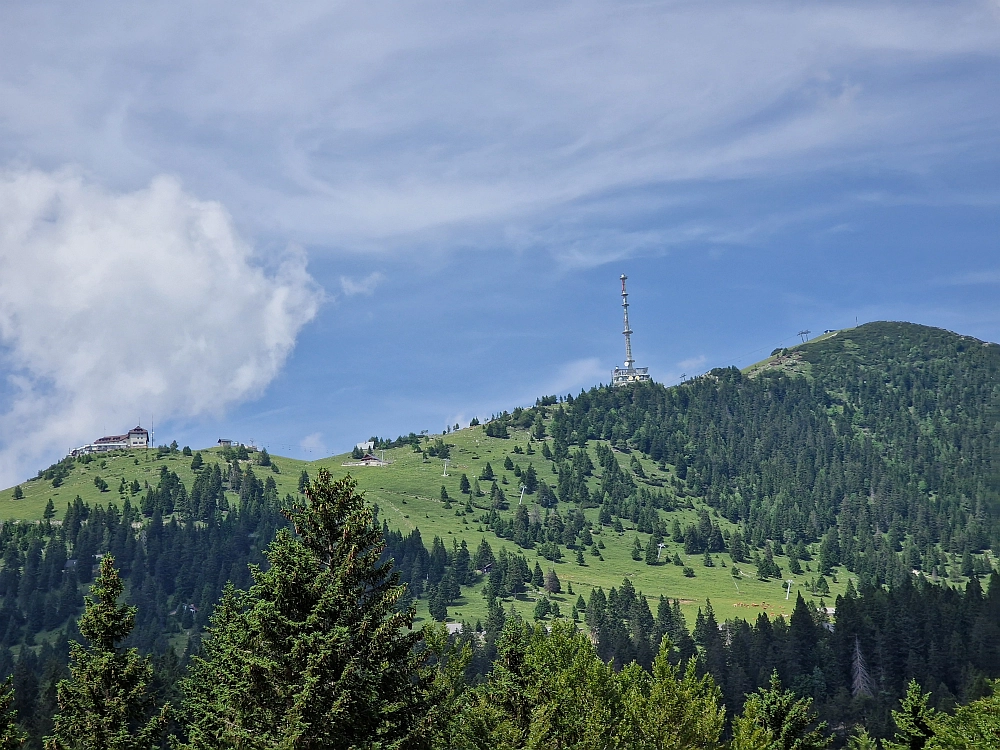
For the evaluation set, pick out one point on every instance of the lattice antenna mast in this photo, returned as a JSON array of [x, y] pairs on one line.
[[629, 362]]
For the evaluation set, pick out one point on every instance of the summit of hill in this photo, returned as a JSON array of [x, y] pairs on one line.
[[872, 451]]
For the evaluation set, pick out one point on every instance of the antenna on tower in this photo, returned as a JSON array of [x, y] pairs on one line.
[[628, 331]]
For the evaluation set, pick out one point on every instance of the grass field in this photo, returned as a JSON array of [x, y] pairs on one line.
[[407, 492]]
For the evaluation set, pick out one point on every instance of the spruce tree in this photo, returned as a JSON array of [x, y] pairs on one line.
[[552, 583], [106, 703], [652, 551], [537, 578], [316, 653], [776, 719], [11, 736], [914, 720]]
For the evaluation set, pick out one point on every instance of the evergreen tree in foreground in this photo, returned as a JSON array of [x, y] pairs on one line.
[[550, 689], [316, 653], [914, 720], [11, 736], [106, 704], [776, 719]]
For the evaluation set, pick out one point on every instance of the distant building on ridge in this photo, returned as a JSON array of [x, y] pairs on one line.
[[137, 437]]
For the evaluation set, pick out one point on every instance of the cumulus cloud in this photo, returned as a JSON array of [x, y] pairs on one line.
[[120, 305]]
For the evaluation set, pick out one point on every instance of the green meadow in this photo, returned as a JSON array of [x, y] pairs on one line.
[[407, 492]]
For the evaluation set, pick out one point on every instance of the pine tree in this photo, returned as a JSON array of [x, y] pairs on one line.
[[793, 566], [775, 719], [484, 555], [50, 509], [542, 608], [652, 551], [861, 740], [537, 579], [914, 720], [315, 653], [11, 736], [463, 485], [437, 603], [552, 583], [530, 479], [18, 493], [107, 703]]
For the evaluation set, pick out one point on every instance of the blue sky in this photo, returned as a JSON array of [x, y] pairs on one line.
[[311, 223]]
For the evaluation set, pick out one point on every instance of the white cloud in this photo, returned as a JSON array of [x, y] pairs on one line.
[[117, 306], [383, 126], [365, 286]]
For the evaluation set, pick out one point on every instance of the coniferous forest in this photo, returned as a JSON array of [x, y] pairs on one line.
[[286, 622]]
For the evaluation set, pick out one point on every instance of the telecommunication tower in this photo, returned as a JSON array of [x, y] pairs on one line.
[[630, 373]]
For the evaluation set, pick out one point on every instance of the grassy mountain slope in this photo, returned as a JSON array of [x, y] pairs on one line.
[[888, 435]]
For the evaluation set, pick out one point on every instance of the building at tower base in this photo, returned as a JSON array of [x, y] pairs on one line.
[[626, 375]]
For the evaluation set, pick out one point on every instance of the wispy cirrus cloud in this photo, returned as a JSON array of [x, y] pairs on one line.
[[392, 127]]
